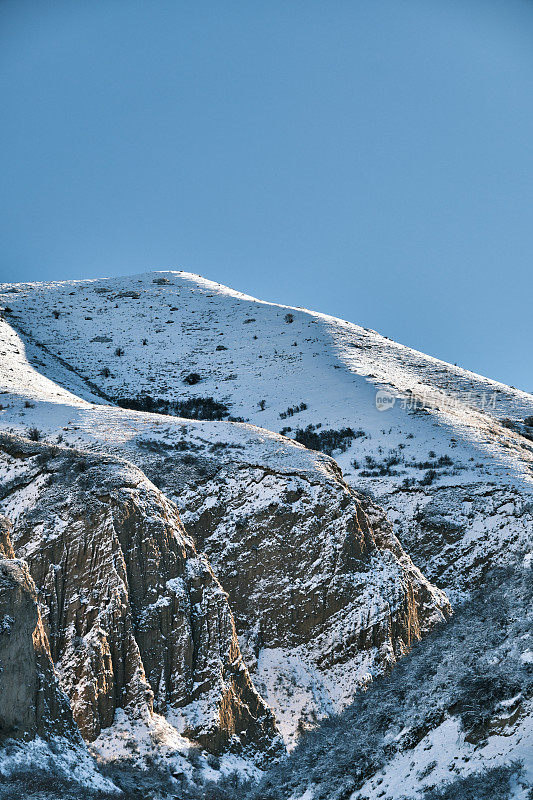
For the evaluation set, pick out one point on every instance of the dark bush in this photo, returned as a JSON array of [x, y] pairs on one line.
[[192, 378], [479, 692], [34, 434], [488, 784], [428, 478], [326, 441], [293, 410], [191, 408]]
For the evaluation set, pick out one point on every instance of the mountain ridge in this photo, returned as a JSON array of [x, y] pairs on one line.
[[448, 461]]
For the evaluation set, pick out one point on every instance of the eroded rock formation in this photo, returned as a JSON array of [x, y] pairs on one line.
[[31, 701], [135, 618], [322, 596]]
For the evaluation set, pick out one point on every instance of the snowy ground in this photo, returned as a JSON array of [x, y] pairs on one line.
[[420, 425], [428, 436], [246, 352]]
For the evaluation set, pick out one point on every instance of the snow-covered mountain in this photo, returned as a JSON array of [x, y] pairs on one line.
[[340, 487]]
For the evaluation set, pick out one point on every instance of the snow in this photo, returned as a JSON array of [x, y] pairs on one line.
[[336, 368], [401, 779], [59, 757], [59, 338], [138, 739]]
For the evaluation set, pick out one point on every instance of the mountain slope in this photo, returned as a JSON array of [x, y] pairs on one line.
[[445, 453], [322, 599], [442, 427]]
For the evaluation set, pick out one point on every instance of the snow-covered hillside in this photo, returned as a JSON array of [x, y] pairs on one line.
[[224, 402], [223, 475], [169, 328], [405, 426]]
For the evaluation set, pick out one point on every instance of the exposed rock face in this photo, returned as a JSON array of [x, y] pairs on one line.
[[31, 701], [311, 583], [135, 617], [290, 566], [459, 534], [6, 546]]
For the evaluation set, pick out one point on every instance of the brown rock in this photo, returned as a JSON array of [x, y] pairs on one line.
[[31, 701], [136, 619]]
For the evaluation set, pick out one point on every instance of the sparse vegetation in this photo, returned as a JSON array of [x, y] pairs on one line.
[[376, 469], [34, 434], [191, 408], [442, 461], [447, 674], [326, 441], [387, 467], [428, 478], [192, 379], [119, 351], [488, 784], [292, 410], [289, 318]]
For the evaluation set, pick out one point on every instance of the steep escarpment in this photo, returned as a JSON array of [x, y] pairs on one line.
[[324, 593], [322, 600], [31, 701], [135, 618]]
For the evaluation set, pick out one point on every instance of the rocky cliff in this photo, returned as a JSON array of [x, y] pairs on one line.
[[31, 701], [316, 562], [322, 600], [135, 618]]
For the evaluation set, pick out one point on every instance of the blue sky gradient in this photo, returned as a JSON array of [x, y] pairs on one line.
[[372, 160]]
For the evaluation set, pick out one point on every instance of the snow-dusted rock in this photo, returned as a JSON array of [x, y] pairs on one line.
[[31, 701], [324, 593], [135, 618], [322, 600]]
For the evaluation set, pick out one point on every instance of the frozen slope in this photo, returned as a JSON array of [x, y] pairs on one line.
[[450, 458], [438, 451], [246, 351], [322, 593]]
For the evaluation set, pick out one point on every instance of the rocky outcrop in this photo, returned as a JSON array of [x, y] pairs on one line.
[[6, 546], [459, 534], [292, 563], [311, 581], [31, 701], [135, 617]]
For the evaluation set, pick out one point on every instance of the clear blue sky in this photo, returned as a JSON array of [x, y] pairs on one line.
[[372, 159]]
